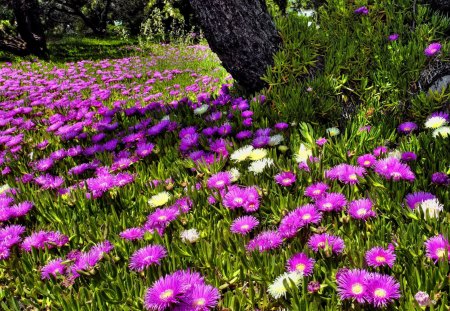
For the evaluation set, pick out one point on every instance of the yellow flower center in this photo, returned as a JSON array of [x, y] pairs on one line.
[[361, 212], [286, 181], [440, 252], [162, 218], [245, 227], [317, 192], [380, 259], [166, 294], [200, 302], [238, 200], [300, 267], [353, 177], [321, 244], [367, 162], [220, 183], [357, 288], [306, 217], [380, 292], [328, 205]]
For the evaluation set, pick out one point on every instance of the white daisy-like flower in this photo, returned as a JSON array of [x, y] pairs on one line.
[[277, 289], [435, 122], [159, 199], [258, 154], [235, 174], [276, 140], [201, 110], [395, 154], [258, 167], [333, 131], [432, 206], [4, 188], [189, 236], [303, 154], [242, 153], [443, 131]]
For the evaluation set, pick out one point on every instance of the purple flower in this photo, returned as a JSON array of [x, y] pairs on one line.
[[362, 10], [290, 224], [313, 287], [432, 49], [423, 299], [164, 294], [413, 200], [235, 197], [260, 141], [436, 248], [393, 37], [219, 180], [378, 256], [285, 179], [201, 298], [146, 257], [281, 126], [331, 202], [321, 141], [301, 263], [43, 165], [308, 214], [265, 241], [348, 174], [53, 268], [244, 135], [366, 160], [440, 178], [316, 191], [382, 289], [21, 209], [326, 241], [144, 150], [244, 224], [392, 168], [352, 284], [379, 151], [408, 156], [132, 234], [407, 127], [361, 209]]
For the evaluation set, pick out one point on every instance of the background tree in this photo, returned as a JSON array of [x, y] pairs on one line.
[[242, 34]]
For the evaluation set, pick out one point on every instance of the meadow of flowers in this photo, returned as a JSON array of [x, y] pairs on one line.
[[144, 183]]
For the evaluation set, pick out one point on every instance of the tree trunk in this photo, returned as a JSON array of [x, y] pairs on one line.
[[242, 34], [29, 26]]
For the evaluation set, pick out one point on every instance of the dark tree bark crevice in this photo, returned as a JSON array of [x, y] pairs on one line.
[[242, 34]]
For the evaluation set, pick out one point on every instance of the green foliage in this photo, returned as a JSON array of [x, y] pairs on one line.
[[337, 61]]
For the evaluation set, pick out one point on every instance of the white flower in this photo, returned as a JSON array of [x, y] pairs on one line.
[[190, 236], [258, 167], [235, 174], [276, 140], [432, 206], [277, 289], [303, 154], [242, 153], [165, 118], [159, 199], [258, 154], [4, 188], [333, 131], [395, 154], [443, 131], [201, 110], [435, 122]]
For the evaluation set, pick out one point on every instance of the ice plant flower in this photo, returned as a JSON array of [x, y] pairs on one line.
[[413, 200], [53, 268], [331, 202], [432, 207], [242, 154], [362, 10], [382, 289], [436, 120], [361, 209], [265, 241], [278, 288], [423, 299], [440, 178], [219, 180], [257, 167], [432, 49], [443, 131], [132, 234], [352, 284], [301, 263], [366, 160], [164, 294], [190, 236], [326, 241], [159, 199], [147, 256], [392, 168], [333, 131], [393, 37], [378, 256], [347, 174], [316, 191], [244, 224], [408, 156], [285, 179], [257, 154], [436, 247]]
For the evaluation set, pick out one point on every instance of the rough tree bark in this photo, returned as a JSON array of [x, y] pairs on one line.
[[242, 34], [29, 26]]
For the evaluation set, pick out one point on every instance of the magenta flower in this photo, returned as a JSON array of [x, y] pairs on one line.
[[382, 289], [290, 224], [308, 214], [147, 256], [132, 234], [164, 294], [361, 209], [244, 224], [393, 37], [436, 248], [413, 200], [265, 241], [362, 10], [53, 268], [324, 241], [219, 180], [201, 298], [432, 49], [300, 262], [285, 178], [331, 202], [440, 178], [407, 127], [316, 191], [352, 284], [408, 156], [392, 168], [379, 151], [321, 141], [348, 174], [378, 256], [236, 197], [366, 160]]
